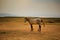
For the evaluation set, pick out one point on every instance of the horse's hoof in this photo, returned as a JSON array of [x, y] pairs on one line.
[[39, 30], [31, 30]]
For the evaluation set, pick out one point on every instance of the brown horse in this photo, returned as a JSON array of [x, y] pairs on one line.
[[34, 20]]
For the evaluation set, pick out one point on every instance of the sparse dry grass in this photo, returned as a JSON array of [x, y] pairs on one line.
[[16, 29]]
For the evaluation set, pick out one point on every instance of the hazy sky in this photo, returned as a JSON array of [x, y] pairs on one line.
[[39, 8]]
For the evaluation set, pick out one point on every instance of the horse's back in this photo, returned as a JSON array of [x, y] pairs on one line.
[[34, 20]]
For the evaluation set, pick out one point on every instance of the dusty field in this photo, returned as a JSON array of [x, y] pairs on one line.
[[18, 30]]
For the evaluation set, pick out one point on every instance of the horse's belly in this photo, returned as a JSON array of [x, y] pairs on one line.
[[33, 22]]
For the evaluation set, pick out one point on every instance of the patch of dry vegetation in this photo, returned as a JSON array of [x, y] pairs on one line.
[[16, 29]]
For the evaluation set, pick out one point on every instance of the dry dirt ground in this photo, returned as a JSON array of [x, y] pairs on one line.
[[18, 30]]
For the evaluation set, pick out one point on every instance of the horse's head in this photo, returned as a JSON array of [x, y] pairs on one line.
[[25, 19]]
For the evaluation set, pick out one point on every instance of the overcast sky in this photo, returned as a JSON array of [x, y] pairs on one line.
[[35, 8]]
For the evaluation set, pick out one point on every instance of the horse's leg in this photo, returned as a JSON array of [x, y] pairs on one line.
[[31, 27], [39, 28]]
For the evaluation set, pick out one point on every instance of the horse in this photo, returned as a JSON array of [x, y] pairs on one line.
[[34, 20]]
